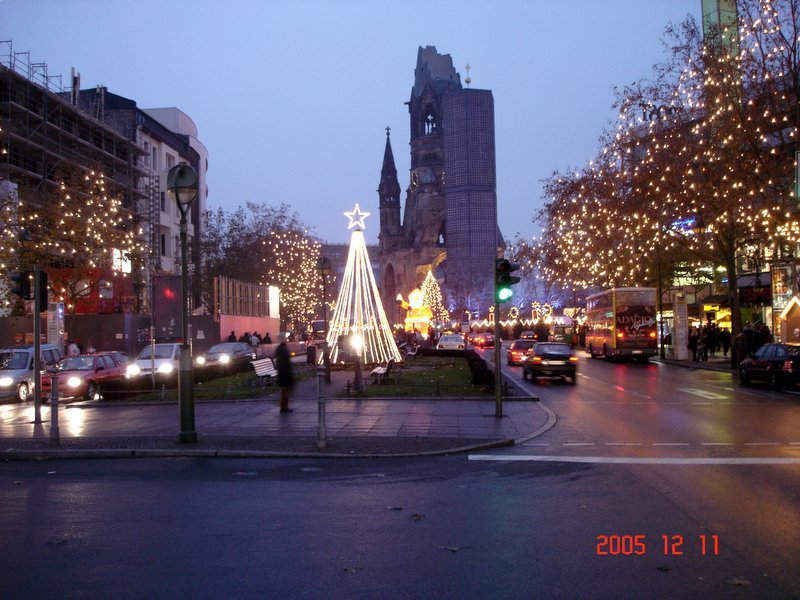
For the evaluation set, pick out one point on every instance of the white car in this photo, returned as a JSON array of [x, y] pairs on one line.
[[165, 361], [450, 341]]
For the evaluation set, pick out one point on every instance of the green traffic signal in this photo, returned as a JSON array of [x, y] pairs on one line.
[[503, 279]]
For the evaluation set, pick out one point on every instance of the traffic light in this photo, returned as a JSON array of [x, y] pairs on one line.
[[42, 291], [503, 279], [23, 281]]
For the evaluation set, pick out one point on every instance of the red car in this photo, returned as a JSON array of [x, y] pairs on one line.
[[86, 376]]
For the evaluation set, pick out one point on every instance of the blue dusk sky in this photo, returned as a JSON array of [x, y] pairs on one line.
[[292, 98]]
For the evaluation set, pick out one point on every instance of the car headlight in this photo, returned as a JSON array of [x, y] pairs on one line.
[[224, 359], [6, 381], [74, 382], [166, 368], [200, 360], [132, 370]]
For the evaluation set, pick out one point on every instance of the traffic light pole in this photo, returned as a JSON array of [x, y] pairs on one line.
[[498, 375], [37, 348]]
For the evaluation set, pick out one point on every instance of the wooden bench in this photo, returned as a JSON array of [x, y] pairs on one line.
[[265, 369], [383, 373]]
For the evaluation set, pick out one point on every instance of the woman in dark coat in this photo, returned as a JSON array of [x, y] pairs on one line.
[[283, 364]]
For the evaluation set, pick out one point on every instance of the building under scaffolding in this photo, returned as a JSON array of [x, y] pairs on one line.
[[47, 127]]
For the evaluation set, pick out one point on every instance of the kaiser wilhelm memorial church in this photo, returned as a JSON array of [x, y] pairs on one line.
[[449, 221]]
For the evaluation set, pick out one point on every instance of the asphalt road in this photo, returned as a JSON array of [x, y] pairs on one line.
[[656, 482], [402, 528]]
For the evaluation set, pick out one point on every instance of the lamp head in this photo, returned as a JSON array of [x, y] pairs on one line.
[[182, 184]]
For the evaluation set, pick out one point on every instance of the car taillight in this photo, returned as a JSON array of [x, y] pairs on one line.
[[621, 334], [573, 359], [653, 334], [787, 365]]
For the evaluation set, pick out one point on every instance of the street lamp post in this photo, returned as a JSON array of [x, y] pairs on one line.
[[324, 268], [182, 187]]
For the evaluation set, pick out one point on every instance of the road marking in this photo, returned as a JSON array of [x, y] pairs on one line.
[[579, 444], [761, 444], [636, 460], [623, 444], [716, 443], [703, 393], [670, 444]]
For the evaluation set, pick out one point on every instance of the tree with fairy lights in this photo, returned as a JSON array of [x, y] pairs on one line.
[[359, 312], [432, 298], [82, 235], [699, 170], [269, 245]]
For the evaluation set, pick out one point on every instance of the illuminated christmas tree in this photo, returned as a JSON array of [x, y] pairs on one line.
[[432, 298], [359, 312]]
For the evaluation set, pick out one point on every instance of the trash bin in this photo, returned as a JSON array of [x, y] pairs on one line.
[[311, 355]]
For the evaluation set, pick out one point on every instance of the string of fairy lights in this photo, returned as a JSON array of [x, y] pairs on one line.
[[291, 265], [78, 234], [359, 312], [432, 298], [700, 178]]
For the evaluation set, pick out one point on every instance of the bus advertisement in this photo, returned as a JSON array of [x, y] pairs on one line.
[[621, 322]]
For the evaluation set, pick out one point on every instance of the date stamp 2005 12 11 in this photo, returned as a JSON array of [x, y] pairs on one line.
[[667, 545]]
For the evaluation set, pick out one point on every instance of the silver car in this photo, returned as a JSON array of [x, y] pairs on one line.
[[16, 369]]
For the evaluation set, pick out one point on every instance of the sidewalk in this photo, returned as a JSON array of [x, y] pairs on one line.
[[714, 363], [253, 428]]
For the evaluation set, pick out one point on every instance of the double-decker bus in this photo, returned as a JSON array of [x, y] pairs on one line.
[[621, 322]]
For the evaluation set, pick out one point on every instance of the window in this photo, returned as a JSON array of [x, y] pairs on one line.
[[170, 161], [155, 158], [163, 245], [163, 202]]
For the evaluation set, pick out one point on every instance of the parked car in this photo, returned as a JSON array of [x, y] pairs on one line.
[[226, 358], [16, 369], [165, 361], [527, 335], [450, 341], [777, 364], [550, 359], [86, 376], [517, 350]]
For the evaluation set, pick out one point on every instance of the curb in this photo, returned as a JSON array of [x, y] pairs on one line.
[[95, 453]]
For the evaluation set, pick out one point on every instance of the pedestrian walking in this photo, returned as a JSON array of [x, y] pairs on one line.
[[283, 364], [725, 340], [692, 344], [267, 339], [232, 336]]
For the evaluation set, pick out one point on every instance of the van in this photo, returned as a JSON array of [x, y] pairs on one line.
[[16, 369]]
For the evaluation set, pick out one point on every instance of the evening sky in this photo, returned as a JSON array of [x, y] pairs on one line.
[[292, 98]]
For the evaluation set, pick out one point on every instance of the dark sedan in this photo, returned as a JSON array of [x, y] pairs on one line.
[[226, 358], [777, 364], [550, 359]]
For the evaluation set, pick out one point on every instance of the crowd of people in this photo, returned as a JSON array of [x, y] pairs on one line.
[[707, 340], [254, 339]]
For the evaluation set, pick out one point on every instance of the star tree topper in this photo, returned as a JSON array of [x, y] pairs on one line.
[[357, 218]]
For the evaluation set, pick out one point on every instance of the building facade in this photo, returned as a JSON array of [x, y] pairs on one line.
[[48, 127]]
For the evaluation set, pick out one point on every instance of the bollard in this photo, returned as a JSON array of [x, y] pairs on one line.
[[55, 437], [321, 428], [163, 391]]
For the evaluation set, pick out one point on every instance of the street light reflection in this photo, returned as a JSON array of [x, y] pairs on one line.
[[74, 421]]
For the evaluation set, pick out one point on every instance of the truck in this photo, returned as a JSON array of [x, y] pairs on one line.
[[621, 323]]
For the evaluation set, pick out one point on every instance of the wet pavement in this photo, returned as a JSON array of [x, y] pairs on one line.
[[353, 426]]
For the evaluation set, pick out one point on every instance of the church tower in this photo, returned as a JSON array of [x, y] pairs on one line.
[[449, 224], [389, 200]]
